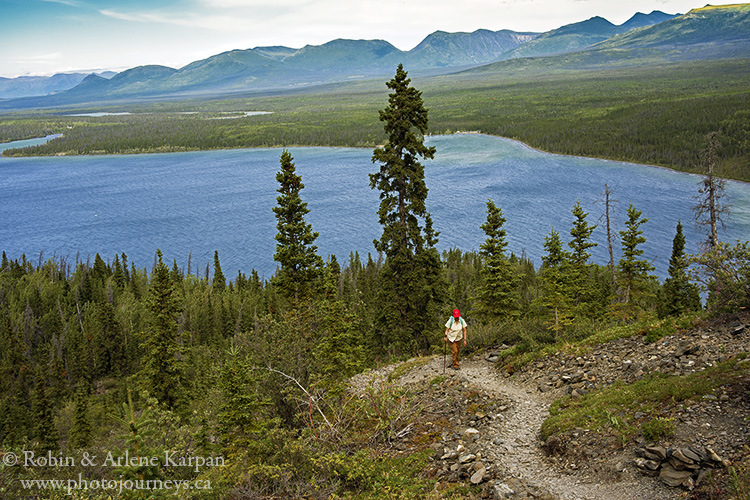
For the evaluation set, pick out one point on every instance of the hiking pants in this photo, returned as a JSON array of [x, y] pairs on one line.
[[455, 348]]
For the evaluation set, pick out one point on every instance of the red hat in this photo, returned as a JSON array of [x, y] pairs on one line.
[[456, 313]]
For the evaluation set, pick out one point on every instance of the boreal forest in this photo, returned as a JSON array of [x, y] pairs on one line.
[[241, 386]]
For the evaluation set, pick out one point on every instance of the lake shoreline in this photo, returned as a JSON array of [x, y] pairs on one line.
[[183, 150], [223, 199]]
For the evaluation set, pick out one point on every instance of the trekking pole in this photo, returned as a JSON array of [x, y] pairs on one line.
[[445, 343]]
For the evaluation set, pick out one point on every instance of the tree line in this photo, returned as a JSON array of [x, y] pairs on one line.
[[631, 114], [107, 355]]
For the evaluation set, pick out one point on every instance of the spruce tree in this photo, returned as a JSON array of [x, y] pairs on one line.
[[632, 269], [300, 264], [139, 438], [219, 282], [498, 294], [118, 273], [108, 353], [80, 432], [409, 287], [239, 413], [555, 269], [162, 360], [175, 274], [678, 295], [44, 417], [340, 350], [580, 284], [633, 279]]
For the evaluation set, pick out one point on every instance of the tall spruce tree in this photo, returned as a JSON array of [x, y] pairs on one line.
[[633, 276], [301, 266], [409, 287], [219, 282], [162, 366], [555, 269], [678, 295], [581, 289], [498, 294]]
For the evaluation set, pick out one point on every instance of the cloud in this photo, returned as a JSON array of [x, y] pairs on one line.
[[211, 22], [49, 57], [69, 3], [40, 61]]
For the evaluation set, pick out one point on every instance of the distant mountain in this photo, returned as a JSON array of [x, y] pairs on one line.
[[24, 86], [595, 43], [283, 67], [276, 52], [715, 25], [579, 36], [640, 20], [705, 33], [236, 68], [441, 49]]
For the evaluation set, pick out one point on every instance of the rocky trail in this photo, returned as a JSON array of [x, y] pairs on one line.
[[487, 423], [509, 447]]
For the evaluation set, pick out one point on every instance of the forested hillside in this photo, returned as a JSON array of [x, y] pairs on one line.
[[656, 116], [242, 383]]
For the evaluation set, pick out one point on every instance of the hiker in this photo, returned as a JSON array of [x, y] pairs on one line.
[[453, 328]]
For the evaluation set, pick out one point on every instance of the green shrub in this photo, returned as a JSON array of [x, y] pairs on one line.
[[658, 428]]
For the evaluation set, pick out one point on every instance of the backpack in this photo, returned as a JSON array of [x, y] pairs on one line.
[[460, 319]]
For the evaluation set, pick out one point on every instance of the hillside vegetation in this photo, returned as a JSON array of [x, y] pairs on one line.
[[651, 115], [242, 388]]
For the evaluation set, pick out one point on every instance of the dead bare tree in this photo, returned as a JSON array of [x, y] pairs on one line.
[[608, 211], [710, 210]]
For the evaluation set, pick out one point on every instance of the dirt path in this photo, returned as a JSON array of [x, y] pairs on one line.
[[514, 446]]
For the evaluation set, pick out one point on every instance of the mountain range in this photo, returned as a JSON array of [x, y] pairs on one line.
[[709, 32], [25, 86]]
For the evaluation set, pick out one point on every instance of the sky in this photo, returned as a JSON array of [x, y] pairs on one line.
[[44, 37]]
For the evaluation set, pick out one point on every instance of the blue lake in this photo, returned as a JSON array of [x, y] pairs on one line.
[[194, 203]]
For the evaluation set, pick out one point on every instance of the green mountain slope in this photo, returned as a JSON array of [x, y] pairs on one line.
[[707, 33], [702, 34], [579, 36], [26, 86], [443, 49], [728, 23]]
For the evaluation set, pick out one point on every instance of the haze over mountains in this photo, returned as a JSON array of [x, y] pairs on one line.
[[710, 32]]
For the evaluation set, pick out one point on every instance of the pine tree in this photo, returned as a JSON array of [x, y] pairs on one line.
[[162, 361], [300, 264], [409, 287], [678, 295], [498, 294]]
